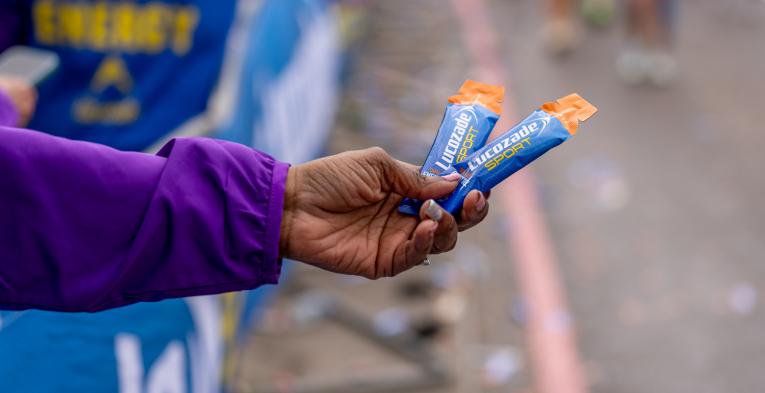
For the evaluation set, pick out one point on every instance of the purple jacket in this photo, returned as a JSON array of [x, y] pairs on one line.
[[84, 227]]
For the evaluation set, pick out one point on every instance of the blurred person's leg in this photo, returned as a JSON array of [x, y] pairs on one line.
[[647, 57], [560, 33]]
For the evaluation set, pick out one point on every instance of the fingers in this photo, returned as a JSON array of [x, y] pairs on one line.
[[405, 179], [474, 209], [446, 233], [408, 182], [23, 95], [415, 250], [27, 104]]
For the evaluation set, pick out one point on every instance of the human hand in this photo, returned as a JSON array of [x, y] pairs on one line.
[[341, 214], [22, 94]]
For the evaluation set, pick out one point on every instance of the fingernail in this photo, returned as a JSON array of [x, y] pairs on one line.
[[452, 177], [434, 211], [481, 203]]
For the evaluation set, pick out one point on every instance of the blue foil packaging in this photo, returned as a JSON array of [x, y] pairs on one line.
[[468, 120], [554, 123]]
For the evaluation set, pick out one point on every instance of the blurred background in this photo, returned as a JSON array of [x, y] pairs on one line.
[[628, 260]]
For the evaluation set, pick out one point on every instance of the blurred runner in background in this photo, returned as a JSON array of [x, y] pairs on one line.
[[647, 54]]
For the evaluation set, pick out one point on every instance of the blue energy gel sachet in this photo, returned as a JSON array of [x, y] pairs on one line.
[[544, 129], [468, 120]]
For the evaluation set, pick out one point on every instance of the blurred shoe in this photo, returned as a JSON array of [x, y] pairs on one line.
[[560, 36], [599, 13], [637, 66], [661, 68], [631, 66]]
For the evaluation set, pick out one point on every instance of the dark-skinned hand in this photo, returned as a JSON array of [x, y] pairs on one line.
[[341, 214], [22, 94]]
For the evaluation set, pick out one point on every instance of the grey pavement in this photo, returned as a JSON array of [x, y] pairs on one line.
[[656, 206]]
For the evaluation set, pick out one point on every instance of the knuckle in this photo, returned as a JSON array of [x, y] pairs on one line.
[[377, 152], [378, 158]]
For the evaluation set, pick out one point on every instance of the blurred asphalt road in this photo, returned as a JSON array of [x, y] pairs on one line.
[[654, 207]]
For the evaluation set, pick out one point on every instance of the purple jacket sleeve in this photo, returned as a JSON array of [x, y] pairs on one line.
[[84, 227]]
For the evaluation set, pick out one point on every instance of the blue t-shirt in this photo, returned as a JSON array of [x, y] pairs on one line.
[[131, 71]]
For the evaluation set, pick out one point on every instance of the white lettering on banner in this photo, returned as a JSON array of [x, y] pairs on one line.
[[166, 375], [127, 349], [299, 108], [205, 343]]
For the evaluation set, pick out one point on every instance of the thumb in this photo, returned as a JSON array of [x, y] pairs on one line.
[[406, 180]]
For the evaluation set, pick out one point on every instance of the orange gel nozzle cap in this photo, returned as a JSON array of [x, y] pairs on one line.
[[472, 92], [570, 110]]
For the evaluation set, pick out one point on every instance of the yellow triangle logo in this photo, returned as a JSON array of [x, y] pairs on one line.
[[112, 72]]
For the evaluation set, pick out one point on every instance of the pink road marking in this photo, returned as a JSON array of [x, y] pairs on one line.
[[550, 334]]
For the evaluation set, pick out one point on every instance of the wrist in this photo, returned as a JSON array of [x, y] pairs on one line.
[[290, 192]]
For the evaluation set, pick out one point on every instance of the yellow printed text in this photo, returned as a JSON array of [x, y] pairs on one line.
[[116, 26], [507, 153], [90, 111], [467, 143]]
